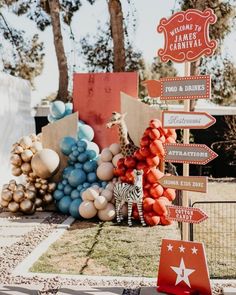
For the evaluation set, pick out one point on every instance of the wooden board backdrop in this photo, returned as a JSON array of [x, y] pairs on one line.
[[53, 133], [97, 95], [138, 116]]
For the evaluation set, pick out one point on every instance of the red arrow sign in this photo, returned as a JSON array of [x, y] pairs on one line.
[[172, 88], [199, 154], [186, 183], [187, 120], [186, 214]]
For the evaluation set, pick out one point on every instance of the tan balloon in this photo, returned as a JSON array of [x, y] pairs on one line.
[[5, 186], [18, 196], [114, 148], [26, 206], [38, 202], [45, 163], [38, 185], [48, 198], [116, 158], [25, 142], [108, 213], [44, 187], [107, 194], [36, 147], [20, 187], [33, 137], [31, 187], [105, 171], [16, 171], [42, 192], [7, 195], [26, 168], [27, 155], [106, 155], [87, 209], [100, 202], [13, 207], [51, 187], [3, 203], [16, 160], [30, 195], [18, 149]]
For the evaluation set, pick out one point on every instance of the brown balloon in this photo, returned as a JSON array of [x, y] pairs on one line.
[[18, 149], [27, 155], [51, 187], [7, 195], [26, 168], [26, 206], [16, 171], [18, 196], [3, 203], [13, 207], [20, 187], [42, 192], [48, 198], [38, 202], [16, 160], [44, 187], [30, 195]]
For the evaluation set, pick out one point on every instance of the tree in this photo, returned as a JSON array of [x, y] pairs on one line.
[[226, 15], [21, 56], [45, 13]]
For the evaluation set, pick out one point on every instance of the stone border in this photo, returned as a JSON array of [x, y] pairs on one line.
[[24, 266]]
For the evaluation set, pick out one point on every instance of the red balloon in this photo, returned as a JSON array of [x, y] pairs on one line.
[[120, 163], [169, 193], [138, 156], [153, 161], [165, 221], [155, 123], [145, 151], [154, 174], [151, 218], [130, 162], [146, 132], [160, 206], [147, 204], [154, 134], [156, 148], [156, 191], [170, 139], [144, 141], [141, 165]]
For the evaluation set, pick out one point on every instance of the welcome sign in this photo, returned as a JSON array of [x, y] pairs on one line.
[[187, 35]]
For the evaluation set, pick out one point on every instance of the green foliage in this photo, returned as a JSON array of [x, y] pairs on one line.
[[21, 56]]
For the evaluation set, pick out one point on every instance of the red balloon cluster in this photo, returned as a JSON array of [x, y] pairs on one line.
[[148, 159]]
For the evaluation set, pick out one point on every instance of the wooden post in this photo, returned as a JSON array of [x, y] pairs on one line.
[[185, 225]]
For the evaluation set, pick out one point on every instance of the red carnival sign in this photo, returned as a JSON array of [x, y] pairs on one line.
[[187, 35]]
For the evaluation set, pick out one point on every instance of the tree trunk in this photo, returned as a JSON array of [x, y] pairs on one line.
[[117, 33], [62, 94]]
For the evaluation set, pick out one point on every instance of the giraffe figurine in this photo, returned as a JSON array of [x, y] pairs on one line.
[[127, 146]]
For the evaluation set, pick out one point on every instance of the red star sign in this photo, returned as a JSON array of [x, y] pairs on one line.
[[183, 268]]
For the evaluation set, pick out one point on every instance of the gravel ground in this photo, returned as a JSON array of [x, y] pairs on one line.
[[14, 254]]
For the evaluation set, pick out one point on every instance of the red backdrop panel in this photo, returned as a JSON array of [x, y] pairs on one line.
[[97, 95]]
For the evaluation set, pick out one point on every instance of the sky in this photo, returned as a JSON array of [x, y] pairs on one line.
[[86, 20]]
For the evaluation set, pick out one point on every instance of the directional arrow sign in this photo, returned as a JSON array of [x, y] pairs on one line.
[[186, 183], [187, 120], [186, 214], [199, 154], [191, 87]]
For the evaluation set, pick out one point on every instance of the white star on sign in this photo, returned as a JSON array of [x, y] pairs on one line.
[[181, 248], [182, 273], [170, 247], [194, 250]]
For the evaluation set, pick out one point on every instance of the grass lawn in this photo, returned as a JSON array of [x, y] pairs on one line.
[[106, 249], [93, 248]]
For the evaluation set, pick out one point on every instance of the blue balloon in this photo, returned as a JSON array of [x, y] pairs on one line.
[[92, 146], [60, 186], [81, 149], [75, 153], [86, 185], [90, 166], [85, 132], [57, 195], [64, 204], [91, 154], [74, 147], [66, 145], [67, 189], [64, 182], [96, 183], [51, 119], [72, 158], [83, 157], [79, 187], [74, 194], [82, 143], [76, 177], [104, 184], [66, 172], [74, 208], [91, 177], [78, 165], [68, 108], [57, 109]]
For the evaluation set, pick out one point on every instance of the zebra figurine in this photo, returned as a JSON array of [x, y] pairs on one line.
[[130, 193]]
